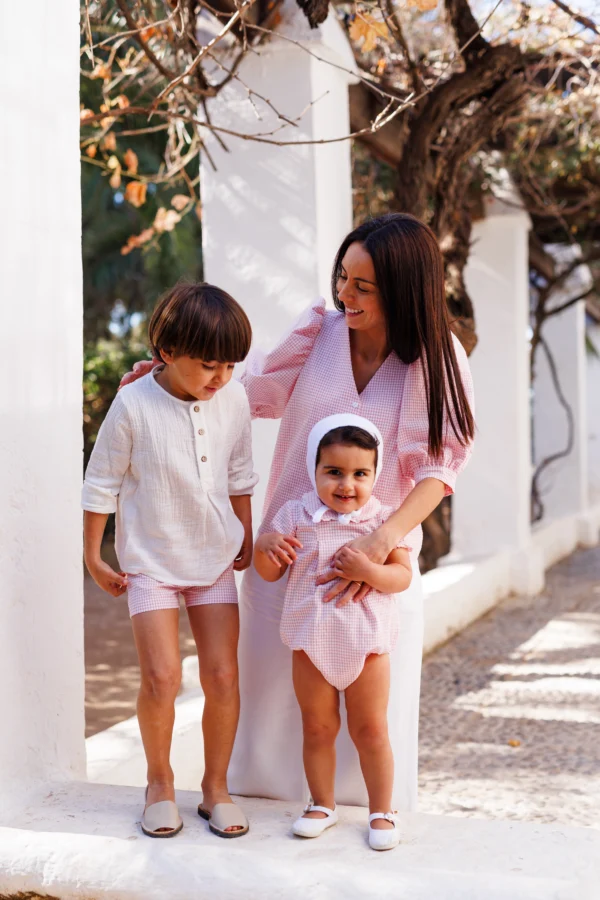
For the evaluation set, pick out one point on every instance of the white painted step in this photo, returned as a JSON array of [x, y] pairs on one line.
[[83, 841]]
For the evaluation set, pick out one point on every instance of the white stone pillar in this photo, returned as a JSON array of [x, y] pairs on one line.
[[491, 506], [273, 216], [593, 400], [41, 581], [564, 483]]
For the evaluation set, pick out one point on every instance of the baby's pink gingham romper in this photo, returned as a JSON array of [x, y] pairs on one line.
[[337, 639]]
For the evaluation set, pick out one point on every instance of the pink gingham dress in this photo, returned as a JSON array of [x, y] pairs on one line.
[[337, 639], [305, 378]]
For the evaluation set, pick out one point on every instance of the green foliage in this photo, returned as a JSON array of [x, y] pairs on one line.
[[105, 362]]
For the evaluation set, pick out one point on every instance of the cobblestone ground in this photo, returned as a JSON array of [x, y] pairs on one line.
[[510, 708]]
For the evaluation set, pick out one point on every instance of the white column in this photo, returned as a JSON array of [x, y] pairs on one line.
[[273, 216], [593, 400], [563, 485], [491, 506], [41, 590]]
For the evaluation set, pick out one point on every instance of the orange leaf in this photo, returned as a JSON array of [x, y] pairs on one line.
[[426, 5], [131, 161], [109, 142], [115, 179], [86, 114], [101, 71], [122, 101], [369, 29], [136, 240], [92, 150], [514, 743], [135, 193], [166, 220], [180, 201]]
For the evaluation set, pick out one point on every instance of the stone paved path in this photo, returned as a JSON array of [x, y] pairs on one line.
[[510, 708]]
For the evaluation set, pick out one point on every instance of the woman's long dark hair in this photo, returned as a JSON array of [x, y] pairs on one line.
[[410, 277]]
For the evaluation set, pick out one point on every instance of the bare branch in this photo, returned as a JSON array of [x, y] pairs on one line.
[[578, 17]]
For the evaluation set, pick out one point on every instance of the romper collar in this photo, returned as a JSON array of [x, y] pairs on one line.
[[319, 512]]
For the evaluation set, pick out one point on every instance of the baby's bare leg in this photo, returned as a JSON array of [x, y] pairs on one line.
[[366, 706], [320, 707]]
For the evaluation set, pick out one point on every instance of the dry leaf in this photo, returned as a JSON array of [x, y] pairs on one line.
[[136, 240], [370, 29], [180, 201], [166, 220], [135, 193], [122, 101], [92, 150], [115, 179], [86, 114], [426, 5], [131, 161], [101, 71], [381, 66], [109, 142], [514, 743]]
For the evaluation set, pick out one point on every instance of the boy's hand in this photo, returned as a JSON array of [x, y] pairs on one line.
[[279, 548], [244, 557], [114, 583]]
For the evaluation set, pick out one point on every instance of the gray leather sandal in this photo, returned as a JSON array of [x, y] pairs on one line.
[[160, 816], [225, 815]]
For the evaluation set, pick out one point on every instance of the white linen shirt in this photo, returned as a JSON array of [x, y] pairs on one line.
[[167, 467]]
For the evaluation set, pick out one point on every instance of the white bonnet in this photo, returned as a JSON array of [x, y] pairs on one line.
[[339, 421]]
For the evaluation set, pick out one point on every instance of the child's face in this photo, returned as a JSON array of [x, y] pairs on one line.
[[195, 379], [345, 477]]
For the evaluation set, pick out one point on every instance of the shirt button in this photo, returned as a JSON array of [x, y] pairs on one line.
[[196, 409], [355, 404], [204, 458], [201, 431]]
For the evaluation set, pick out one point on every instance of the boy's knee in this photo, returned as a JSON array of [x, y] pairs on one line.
[[162, 683], [220, 681]]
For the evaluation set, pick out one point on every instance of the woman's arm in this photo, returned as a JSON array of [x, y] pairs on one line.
[[391, 577], [377, 546]]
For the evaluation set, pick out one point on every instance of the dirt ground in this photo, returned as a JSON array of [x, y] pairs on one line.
[[112, 672]]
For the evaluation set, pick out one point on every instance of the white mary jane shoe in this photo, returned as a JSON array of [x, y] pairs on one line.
[[312, 828], [383, 838]]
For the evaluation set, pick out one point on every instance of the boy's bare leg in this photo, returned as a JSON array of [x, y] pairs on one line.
[[319, 704], [215, 627], [156, 635], [366, 707]]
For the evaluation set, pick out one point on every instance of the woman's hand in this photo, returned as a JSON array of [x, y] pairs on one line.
[[376, 547]]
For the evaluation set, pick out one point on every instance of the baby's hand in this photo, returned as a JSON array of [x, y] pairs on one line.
[[114, 583], [279, 548], [351, 564]]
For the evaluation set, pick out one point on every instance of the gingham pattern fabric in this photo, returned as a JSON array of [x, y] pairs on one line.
[[144, 594], [337, 639], [168, 468], [308, 376]]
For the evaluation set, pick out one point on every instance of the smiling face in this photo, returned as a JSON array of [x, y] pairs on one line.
[[357, 290], [193, 379], [345, 476]]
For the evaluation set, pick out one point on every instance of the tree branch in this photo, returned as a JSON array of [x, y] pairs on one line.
[[578, 17]]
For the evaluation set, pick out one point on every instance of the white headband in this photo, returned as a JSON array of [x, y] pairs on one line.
[[324, 427]]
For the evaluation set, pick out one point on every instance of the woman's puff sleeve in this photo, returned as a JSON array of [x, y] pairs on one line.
[[270, 378], [413, 430], [109, 461], [241, 475]]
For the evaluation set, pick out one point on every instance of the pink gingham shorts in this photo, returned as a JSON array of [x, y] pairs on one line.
[[144, 594]]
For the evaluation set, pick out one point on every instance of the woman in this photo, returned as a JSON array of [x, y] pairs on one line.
[[385, 353]]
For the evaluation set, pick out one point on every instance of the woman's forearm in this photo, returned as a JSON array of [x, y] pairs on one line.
[[421, 501]]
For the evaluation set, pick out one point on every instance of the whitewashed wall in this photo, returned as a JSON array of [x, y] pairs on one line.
[[273, 216], [41, 603], [593, 405]]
